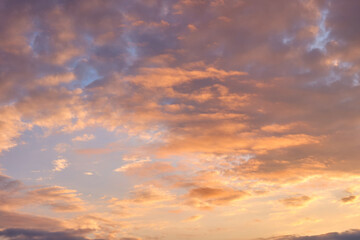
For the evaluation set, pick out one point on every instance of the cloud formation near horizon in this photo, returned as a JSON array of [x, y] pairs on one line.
[[348, 235], [25, 234]]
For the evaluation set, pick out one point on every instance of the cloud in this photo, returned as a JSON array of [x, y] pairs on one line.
[[196, 85], [13, 219], [83, 138], [60, 164], [130, 238], [8, 184], [32, 234], [210, 97], [101, 224], [11, 127], [132, 165], [348, 199], [192, 27], [11, 193], [14, 195], [54, 80], [348, 235], [207, 198], [61, 147], [296, 201], [53, 108], [141, 201], [193, 218], [214, 141], [280, 128], [60, 199], [143, 194], [145, 168]]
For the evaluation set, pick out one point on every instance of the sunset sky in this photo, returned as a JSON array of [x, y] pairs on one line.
[[179, 119]]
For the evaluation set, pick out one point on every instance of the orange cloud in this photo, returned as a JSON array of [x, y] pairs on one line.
[[193, 218], [224, 104], [146, 168], [11, 127], [167, 77], [296, 201], [207, 198], [58, 198], [54, 80]]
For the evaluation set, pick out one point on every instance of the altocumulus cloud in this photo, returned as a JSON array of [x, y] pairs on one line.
[[194, 85]]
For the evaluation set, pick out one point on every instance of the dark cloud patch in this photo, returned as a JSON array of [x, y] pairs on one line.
[[8, 184], [348, 199], [32, 234], [348, 235], [129, 238]]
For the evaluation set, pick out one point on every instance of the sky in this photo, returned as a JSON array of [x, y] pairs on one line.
[[179, 119]]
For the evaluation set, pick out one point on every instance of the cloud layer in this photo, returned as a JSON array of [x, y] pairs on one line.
[[167, 119]]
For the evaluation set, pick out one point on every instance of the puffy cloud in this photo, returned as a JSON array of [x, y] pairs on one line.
[[60, 164], [53, 108]]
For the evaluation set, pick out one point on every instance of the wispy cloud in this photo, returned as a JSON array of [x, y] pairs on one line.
[[83, 138]]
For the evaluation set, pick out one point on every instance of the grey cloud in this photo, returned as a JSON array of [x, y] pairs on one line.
[[33, 234], [129, 238], [8, 184], [20, 220], [348, 235]]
